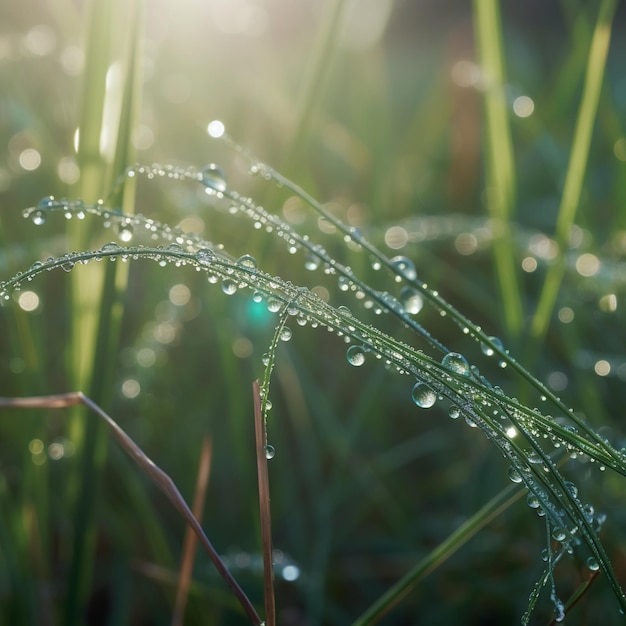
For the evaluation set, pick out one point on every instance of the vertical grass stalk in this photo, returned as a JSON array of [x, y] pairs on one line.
[[579, 156], [500, 167]]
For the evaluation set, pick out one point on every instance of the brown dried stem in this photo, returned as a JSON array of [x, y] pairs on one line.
[[264, 507], [157, 475]]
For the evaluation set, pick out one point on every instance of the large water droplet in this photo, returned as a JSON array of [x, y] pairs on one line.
[[125, 231], [38, 217], [229, 287], [454, 412], [514, 475], [405, 267], [411, 300], [456, 363], [355, 355], [285, 334], [247, 261], [273, 305], [423, 395], [488, 350], [311, 262], [214, 178], [270, 452], [592, 564], [205, 255]]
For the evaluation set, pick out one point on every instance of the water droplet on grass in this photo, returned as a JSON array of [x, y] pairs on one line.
[[423, 396], [456, 363], [285, 334], [411, 300], [514, 475], [355, 355], [247, 261], [405, 267], [214, 178], [311, 262], [592, 564], [454, 412], [38, 217], [488, 350], [270, 452], [229, 287], [125, 231]]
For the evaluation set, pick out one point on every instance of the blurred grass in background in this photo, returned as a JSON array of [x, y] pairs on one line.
[[375, 107]]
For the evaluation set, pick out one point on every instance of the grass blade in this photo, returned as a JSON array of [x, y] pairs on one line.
[[501, 184], [579, 156]]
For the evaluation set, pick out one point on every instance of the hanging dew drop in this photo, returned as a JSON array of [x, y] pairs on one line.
[[311, 262], [404, 267], [38, 217], [265, 359], [456, 363], [454, 412], [355, 355], [229, 287], [514, 475], [270, 452], [423, 396], [592, 564], [488, 350], [125, 231], [411, 300], [285, 334], [213, 178], [273, 305]]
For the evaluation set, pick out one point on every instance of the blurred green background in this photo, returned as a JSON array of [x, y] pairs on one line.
[[376, 108]]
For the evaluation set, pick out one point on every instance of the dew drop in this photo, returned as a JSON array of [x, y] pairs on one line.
[[38, 217], [344, 283], [456, 363], [311, 262], [285, 334], [270, 452], [423, 396], [205, 255], [273, 305], [533, 501], [214, 178], [265, 359], [411, 300], [559, 534], [592, 564], [229, 287], [404, 267], [125, 231], [110, 247], [247, 261], [355, 355], [488, 350], [514, 475], [454, 412]]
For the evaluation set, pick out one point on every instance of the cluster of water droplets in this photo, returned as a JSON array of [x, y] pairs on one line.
[[470, 395]]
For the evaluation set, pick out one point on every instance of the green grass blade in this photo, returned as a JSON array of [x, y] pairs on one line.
[[500, 167], [579, 156], [443, 551]]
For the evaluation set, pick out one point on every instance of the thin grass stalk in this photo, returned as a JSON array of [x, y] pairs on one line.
[[313, 88], [264, 507], [96, 292], [160, 479], [439, 555], [500, 174], [191, 541], [579, 156]]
